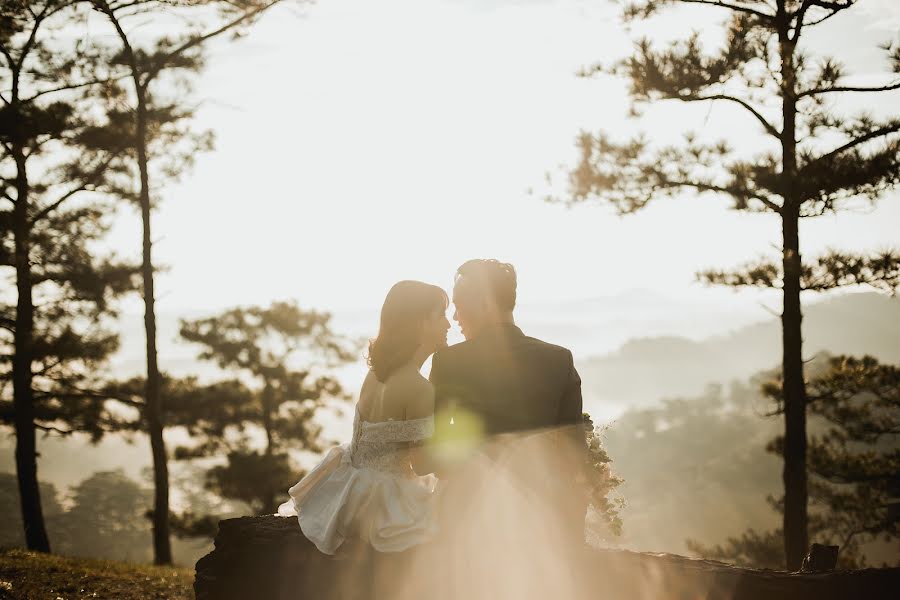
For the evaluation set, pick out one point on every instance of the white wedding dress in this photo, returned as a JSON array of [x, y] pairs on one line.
[[368, 489]]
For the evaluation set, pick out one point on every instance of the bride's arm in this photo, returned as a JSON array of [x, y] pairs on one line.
[[421, 408], [420, 458]]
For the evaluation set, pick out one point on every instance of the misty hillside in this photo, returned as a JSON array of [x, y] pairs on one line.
[[695, 468], [643, 371], [698, 468]]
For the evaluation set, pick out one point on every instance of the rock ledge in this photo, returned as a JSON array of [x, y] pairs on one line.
[[267, 558]]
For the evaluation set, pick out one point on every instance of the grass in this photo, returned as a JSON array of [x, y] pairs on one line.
[[31, 575]]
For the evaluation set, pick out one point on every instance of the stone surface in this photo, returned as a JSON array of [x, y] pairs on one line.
[[267, 558]]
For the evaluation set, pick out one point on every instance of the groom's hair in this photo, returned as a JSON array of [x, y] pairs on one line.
[[493, 277]]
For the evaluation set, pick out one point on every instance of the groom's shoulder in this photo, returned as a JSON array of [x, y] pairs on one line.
[[548, 347], [448, 360], [452, 352]]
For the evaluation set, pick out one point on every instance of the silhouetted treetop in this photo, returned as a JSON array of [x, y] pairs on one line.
[[837, 157]]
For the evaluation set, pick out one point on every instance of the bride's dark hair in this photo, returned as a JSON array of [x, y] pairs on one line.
[[406, 307]]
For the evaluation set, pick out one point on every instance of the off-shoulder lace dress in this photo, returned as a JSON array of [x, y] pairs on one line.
[[368, 489]]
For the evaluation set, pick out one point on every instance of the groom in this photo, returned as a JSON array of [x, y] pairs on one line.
[[500, 383]]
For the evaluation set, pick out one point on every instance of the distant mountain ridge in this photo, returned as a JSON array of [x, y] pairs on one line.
[[645, 370]]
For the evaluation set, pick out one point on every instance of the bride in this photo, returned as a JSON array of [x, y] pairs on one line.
[[377, 489]]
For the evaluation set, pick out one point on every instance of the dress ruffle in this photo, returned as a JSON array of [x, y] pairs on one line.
[[337, 500]]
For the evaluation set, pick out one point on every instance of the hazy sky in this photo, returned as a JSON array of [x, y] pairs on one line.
[[360, 143]]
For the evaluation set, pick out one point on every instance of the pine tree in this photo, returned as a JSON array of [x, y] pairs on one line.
[[283, 353], [821, 161], [56, 148], [205, 413], [853, 461], [178, 51]]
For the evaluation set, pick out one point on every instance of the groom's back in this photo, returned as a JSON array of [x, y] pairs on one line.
[[511, 382]]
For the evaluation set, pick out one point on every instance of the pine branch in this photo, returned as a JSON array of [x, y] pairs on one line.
[[29, 43], [764, 274], [10, 63], [837, 269], [629, 175], [828, 90], [89, 395], [831, 271], [798, 17], [48, 367], [770, 129], [735, 7], [707, 187], [867, 137], [105, 8], [49, 9], [52, 429], [5, 185], [683, 71], [821, 19], [74, 86], [125, 6], [834, 7], [90, 180], [830, 5], [845, 470], [152, 72]]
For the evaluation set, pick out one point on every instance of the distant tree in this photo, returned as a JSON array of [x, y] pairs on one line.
[[204, 508], [151, 64], [193, 409], [282, 353], [56, 148], [758, 550], [108, 518], [11, 530], [853, 463], [820, 160]]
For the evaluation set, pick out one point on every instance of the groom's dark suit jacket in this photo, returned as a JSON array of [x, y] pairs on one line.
[[512, 382]]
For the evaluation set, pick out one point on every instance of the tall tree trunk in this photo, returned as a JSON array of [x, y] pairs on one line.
[[162, 550], [23, 396], [796, 536]]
